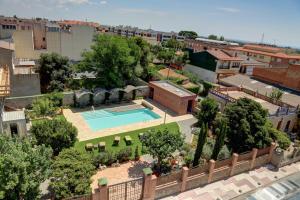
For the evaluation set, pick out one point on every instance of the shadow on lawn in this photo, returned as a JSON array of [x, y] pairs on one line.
[[136, 170]]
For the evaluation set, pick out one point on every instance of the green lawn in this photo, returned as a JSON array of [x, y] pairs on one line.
[[133, 134]]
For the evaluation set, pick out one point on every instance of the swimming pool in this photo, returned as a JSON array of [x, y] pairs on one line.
[[102, 119]]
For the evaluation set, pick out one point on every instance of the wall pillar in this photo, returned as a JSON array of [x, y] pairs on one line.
[[103, 189], [235, 157], [149, 184], [271, 152], [185, 172], [211, 168], [253, 158]]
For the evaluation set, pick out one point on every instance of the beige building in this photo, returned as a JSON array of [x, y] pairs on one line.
[[283, 116], [70, 41]]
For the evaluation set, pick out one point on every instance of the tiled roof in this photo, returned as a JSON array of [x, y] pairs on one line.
[[277, 55], [75, 22], [221, 55]]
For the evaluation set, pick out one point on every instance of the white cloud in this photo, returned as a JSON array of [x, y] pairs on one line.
[[103, 2], [126, 11], [73, 1], [230, 10]]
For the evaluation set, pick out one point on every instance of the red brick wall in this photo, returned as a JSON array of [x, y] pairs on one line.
[[292, 79], [287, 77], [282, 63]]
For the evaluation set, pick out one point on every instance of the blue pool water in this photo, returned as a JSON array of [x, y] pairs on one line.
[[102, 119]]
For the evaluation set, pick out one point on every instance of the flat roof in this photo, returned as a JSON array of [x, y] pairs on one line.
[[13, 115], [272, 108], [239, 80], [175, 89]]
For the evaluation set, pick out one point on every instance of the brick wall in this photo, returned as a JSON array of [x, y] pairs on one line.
[[288, 77]]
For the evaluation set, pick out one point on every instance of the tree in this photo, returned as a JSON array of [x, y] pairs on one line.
[[173, 44], [200, 144], [188, 34], [161, 144], [23, 167], [276, 94], [221, 38], [213, 37], [280, 137], [145, 56], [209, 109], [71, 172], [57, 133], [247, 125], [113, 59], [220, 140], [43, 107], [166, 55], [55, 72]]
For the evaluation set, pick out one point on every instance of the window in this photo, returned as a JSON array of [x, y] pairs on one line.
[[44, 39]]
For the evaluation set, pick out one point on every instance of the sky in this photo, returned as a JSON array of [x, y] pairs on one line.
[[278, 20]]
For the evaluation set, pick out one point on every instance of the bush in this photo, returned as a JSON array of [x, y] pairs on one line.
[[224, 153], [101, 158], [280, 137], [43, 107], [188, 159], [124, 154], [56, 98], [194, 89], [208, 148], [57, 133], [137, 153], [207, 86]]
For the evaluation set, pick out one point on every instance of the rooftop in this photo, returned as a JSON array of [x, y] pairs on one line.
[[175, 89], [272, 108], [221, 55], [238, 80], [259, 51]]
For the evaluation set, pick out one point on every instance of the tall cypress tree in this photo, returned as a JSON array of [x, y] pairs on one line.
[[200, 144], [221, 134]]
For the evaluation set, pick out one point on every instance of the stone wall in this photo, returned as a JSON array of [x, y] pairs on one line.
[[25, 85], [26, 101]]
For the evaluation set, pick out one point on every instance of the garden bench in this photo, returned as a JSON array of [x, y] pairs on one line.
[[117, 140], [89, 147], [128, 140], [101, 146]]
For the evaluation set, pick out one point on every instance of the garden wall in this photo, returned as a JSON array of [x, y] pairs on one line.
[[25, 101], [158, 187]]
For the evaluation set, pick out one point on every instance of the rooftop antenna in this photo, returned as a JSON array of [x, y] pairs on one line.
[[262, 38]]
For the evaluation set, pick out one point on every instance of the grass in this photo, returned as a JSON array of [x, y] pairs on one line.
[[80, 146]]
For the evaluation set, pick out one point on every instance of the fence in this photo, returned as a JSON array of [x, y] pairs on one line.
[[152, 187]]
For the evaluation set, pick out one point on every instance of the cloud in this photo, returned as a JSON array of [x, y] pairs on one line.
[[126, 11], [103, 2], [227, 9], [73, 1]]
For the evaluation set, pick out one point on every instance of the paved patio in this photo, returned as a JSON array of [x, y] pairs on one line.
[[125, 172], [238, 185], [86, 133]]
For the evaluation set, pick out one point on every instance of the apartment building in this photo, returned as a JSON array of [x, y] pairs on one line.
[[151, 36], [272, 56], [67, 38], [213, 64]]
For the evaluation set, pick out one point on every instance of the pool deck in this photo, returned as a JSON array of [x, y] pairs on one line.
[[86, 133]]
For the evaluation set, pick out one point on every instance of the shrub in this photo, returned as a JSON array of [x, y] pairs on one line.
[[56, 98], [124, 154], [208, 148], [280, 137], [194, 89], [224, 153], [101, 158], [207, 86], [188, 159], [43, 107]]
